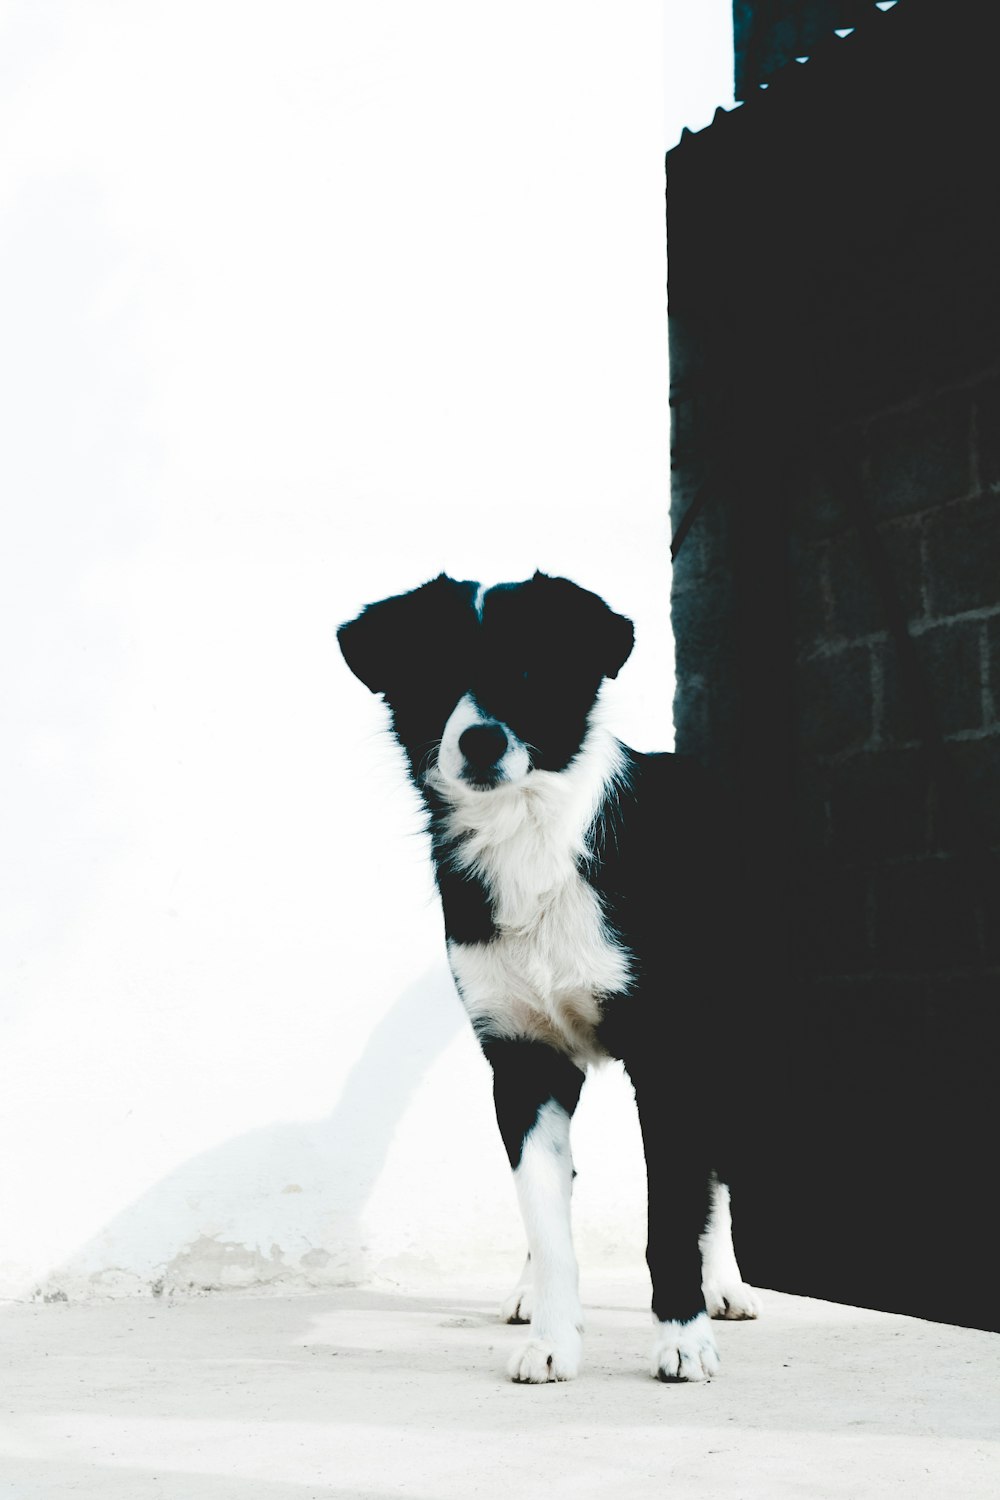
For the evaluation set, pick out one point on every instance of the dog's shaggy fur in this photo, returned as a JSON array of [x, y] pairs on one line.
[[581, 884]]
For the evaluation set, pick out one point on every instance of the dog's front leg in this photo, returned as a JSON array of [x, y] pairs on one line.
[[678, 1182], [536, 1090]]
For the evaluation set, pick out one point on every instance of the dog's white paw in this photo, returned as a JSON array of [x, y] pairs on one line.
[[544, 1359], [733, 1300], [685, 1351], [517, 1307]]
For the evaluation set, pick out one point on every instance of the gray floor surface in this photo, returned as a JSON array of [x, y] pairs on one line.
[[374, 1394]]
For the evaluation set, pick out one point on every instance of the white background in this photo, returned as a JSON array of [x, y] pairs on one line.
[[301, 303]]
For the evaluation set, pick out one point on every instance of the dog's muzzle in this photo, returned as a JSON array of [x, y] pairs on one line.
[[479, 752]]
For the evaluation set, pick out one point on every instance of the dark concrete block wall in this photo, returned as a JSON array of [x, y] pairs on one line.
[[882, 1059], [868, 812], [835, 389]]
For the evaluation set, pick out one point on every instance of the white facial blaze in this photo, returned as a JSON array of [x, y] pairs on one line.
[[514, 764]]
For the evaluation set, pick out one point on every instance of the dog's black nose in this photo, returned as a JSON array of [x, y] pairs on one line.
[[482, 745]]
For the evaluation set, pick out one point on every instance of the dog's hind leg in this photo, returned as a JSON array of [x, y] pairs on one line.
[[517, 1307], [536, 1090], [727, 1295]]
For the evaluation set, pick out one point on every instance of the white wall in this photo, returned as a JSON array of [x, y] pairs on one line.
[[301, 304]]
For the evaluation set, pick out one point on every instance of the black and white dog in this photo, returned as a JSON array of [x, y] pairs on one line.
[[581, 885]]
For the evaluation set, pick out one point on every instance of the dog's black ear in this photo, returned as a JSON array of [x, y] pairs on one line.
[[384, 644], [620, 636], [364, 643], [610, 636]]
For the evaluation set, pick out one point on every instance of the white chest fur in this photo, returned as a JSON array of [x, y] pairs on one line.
[[553, 959]]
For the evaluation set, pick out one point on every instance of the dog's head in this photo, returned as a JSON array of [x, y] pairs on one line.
[[486, 687]]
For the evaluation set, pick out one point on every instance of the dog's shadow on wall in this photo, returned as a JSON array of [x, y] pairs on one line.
[[283, 1201]]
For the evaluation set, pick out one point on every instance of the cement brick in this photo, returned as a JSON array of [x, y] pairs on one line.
[[880, 805], [832, 701], [962, 1031], [685, 480], [964, 547], [854, 604], [988, 435], [950, 659], [990, 917], [718, 547], [705, 663], [991, 694], [977, 768], [703, 624], [808, 589], [691, 718], [924, 919], [899, 723], [921, 457], [816, 488], [810, 809], [707, 546], [683, 429], [830, 931], [857, 605], [904, 550]]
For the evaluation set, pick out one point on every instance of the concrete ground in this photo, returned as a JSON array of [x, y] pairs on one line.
[[374, 1393]]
